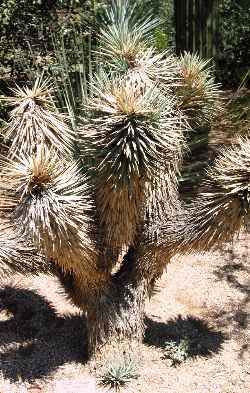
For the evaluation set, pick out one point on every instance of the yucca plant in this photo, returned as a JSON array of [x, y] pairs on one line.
[[118, 374], [108, 223], [34, 120], [198, 95]]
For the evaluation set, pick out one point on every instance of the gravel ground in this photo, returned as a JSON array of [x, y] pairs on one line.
[[201, 299]]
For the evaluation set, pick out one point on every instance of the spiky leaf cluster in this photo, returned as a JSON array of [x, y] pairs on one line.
[[156, 69], [220, 210], [34, 120], [199, 95], [190, 78], [126, 44], [47, 198], [124, 37], [231, 170], [134, 131]]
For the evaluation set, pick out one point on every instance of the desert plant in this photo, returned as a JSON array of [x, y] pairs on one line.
[[110, 222], [177, 352], [234, 33], [118, 374]]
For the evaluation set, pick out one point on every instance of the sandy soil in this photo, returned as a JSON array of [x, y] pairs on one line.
[[202, 298]]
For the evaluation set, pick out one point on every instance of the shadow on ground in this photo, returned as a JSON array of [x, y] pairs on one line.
[[34, 340], [236, 315], [201, 339]]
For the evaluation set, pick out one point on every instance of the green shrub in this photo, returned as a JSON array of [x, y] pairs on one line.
[[233, 54], [27, 28]]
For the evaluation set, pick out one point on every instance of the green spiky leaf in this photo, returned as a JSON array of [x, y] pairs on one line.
[[35, 120], [47, 198], [125, 36], [135, 129], [199, 95]]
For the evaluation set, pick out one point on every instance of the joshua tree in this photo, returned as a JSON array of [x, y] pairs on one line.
[[109, 221]]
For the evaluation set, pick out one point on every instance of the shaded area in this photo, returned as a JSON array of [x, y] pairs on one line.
[[236, 272], [34, 341], [236, 315], [229, 272], [204, 143], [195, 161], [202, 340]]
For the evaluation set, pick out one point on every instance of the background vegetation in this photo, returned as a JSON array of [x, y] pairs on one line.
[[232, 59], [57, 36], [27, 29]]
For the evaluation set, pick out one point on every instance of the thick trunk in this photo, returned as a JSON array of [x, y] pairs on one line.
[[118, 215], [114, 305]]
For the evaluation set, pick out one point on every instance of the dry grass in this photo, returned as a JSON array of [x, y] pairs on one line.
[[203, 298]]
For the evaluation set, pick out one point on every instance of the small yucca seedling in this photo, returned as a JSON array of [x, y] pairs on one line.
[[119, 374]]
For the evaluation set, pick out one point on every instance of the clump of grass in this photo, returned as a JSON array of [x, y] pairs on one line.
[[177, 352], [118, 374]]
